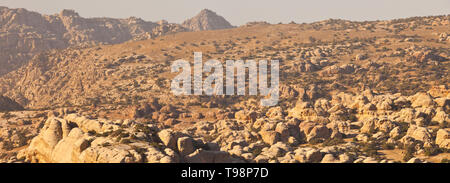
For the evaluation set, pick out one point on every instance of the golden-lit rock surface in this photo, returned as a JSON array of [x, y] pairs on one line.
[[350, 92]]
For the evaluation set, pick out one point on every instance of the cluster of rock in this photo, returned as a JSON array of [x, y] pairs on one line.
[[396, 25], [77, 139], [252, 136], [13, 138], [400, 121]]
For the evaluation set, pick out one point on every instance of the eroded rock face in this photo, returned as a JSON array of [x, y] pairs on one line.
[[41, 147]]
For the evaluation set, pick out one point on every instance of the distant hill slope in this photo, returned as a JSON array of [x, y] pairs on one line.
[[206, 20], [24, 33], [324, 58], [6, 104]]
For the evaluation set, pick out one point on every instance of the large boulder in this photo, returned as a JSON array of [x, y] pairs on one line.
[[169, 138], [308, 155], [69, 149], [443, 138], [185, 145], [119, 153], [368, 126], [406, 115], [62, 142], [421, 134], [246, 115], [270, 137], [319, 132], [441, 117], [85, 123], [41, 147], [304, 111], [330, 158], [203, 156], [422, 100], [275, 113]]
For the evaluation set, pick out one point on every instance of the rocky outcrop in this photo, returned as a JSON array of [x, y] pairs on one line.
[[417, 134], [77, 139]]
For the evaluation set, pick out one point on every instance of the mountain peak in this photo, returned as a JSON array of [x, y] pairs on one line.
[[207, 20], [206, 12], [69, 13]]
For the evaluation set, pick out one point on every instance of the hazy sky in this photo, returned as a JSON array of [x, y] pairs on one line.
[[239, 12]]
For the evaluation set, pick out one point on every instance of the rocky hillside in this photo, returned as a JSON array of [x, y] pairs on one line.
[[6, 104], [206, 20], [24, 33], [350, 92], [320, 58]]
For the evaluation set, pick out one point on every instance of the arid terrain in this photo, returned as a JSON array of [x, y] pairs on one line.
[[97, 90]]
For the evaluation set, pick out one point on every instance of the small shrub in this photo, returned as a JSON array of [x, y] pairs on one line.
[[388, 146], [444, 125], [92, 133], [8, 145], [256, 151], [315, 141], [370, 149], [445, 160], [125, 141], [431, 151], [8, 115], [332, 142], [157, 145], [409, 153], [106, 144]]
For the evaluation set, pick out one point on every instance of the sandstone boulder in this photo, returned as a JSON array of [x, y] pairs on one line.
[[275, 113], [270, 137], [246, 115], [422, 100], [169, 138], [443, 138], [421, 134], [185, 146], [203, 156]]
